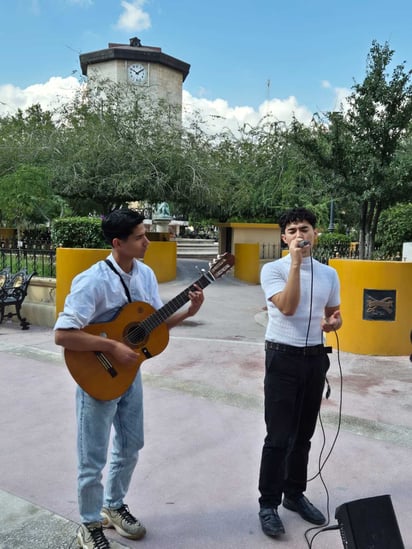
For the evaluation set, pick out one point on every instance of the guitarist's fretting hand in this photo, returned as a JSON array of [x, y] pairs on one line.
[[196, 299]]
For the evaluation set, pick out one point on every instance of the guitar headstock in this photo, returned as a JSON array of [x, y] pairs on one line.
[[221, 264]]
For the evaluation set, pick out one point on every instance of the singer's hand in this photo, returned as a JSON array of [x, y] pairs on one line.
[[332, 322], [298, 249]]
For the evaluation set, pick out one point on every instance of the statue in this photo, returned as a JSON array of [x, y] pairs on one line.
[[162, 211]]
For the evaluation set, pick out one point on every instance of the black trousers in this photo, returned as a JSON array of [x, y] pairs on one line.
[[293, 393]]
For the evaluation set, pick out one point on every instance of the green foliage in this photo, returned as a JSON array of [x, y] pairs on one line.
[[118, 147], [112, 146], [331, 245], [26, 197], [394, 228], [329, 240], [360, 149], [78, 232]]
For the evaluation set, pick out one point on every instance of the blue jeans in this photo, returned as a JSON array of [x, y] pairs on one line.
[[94, 422]]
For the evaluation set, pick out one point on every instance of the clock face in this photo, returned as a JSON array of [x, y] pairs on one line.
[[136, 73]]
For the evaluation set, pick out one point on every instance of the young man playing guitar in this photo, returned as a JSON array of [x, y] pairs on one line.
[[97, 295]]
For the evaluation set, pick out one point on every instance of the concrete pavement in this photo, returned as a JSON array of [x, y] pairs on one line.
[[196, 481]]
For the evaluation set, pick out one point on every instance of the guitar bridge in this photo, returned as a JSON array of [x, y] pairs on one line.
[[146, 352], [105, 362]]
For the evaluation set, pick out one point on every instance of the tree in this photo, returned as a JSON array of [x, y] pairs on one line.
[[26, 197], [117, 147], [361, 149], [26, 138], [394, 228]]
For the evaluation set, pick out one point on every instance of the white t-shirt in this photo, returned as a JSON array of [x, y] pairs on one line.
[[293, 330]]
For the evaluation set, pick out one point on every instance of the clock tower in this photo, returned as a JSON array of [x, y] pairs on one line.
[[158, 74]]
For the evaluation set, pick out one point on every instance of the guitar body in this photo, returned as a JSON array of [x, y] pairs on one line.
[[139, 326], [99, 374]]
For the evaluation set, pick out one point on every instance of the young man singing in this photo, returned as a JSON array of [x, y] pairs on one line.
[[303, 301]]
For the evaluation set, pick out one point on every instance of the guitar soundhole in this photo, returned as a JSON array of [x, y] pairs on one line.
[[135, 334]]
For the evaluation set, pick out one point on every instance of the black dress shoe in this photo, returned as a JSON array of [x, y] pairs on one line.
[[270, 522], [305, 509]]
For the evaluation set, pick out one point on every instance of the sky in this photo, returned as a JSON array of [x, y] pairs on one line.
[[289, 57]]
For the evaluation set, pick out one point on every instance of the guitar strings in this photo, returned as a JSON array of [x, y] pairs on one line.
[[158, 317]]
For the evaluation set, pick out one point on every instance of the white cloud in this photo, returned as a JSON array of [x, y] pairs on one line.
[[49, 95], [325, 84], [133, 18], [341, 98], [216, 114]]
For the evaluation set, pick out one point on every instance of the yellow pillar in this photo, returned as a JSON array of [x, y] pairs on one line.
[[69, 263], [247, 262], [376, 305], [160, 256]]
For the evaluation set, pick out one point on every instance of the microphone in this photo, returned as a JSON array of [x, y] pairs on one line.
[[303, 243]]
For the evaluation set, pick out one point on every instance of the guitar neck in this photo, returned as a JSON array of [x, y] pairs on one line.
[[162, 314]]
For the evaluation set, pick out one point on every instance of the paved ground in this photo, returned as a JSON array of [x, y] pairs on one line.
[[195, 484]]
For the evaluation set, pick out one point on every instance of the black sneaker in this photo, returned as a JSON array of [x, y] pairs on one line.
[[305, 509], [270, 522], [90, 536]]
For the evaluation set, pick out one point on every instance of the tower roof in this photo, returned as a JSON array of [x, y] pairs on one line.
[[134, 51]]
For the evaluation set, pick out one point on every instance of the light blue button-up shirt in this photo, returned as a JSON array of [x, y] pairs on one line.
[[97, 294]]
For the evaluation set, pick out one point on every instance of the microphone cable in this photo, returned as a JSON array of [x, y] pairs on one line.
[[321, 464]]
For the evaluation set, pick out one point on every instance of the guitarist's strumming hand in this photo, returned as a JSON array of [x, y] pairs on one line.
[[124, 354]]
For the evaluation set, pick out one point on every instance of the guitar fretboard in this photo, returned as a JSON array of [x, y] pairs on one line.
[[158, 317]]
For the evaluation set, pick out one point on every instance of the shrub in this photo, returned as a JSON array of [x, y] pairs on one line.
[[78, 232], [330, 245], [394, 228]]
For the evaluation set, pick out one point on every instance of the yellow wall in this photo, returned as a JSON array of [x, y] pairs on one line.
[[247, 263], [160, 256], [374, 337], [248, 233]]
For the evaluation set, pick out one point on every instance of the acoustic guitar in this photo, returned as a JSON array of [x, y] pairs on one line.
[[139, 326]]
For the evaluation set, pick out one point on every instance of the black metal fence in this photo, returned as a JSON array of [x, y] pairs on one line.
[[42, 262], [338, 251], [341, 250]]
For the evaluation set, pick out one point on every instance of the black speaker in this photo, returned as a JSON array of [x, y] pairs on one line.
[[369, 523]]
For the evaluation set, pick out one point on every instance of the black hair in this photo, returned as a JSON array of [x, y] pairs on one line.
[[294, 215], [120, 224]]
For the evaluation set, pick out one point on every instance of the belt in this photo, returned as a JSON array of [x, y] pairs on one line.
[[312, 350]]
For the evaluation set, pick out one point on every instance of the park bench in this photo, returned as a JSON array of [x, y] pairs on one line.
[[13, 290]]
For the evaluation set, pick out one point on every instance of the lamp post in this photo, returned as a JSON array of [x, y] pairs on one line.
[[331, 227]]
